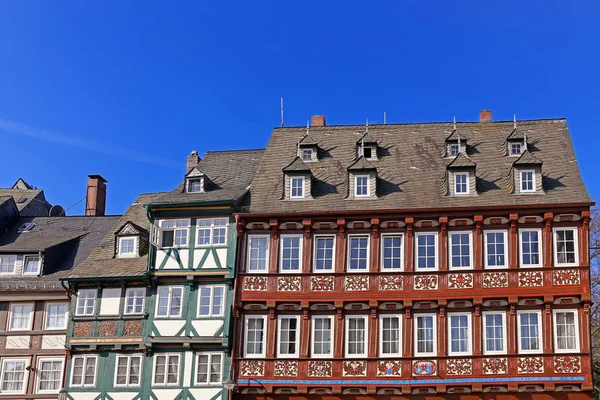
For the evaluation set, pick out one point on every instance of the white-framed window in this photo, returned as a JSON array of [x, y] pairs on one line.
[[323, 253], [358, 253], [514, 148], [426, 254], [86, 302], [362, 186], [529, 331], [56, 316], [392, 252], [425, 326], [211, 231], [296, 187], [453, 149], [290, 255], [288, 328], [169, 301], [356, 336], [495, 249], [135, 299], [307, 154], [166, 369], [172, 233], [461, 254], [494, 332], [254, 334], [14, 375], [321, 341], [7, 264], [128, 370], [195, 185], [21, 316], [257, 258], [461, 183], [83, 371], [211, 300], [31, 265], [128, 246], [527, 181], [459, 334], [49, 375], [566, 331], [209, 368], [390, 335], [565, 247], [530, 245]]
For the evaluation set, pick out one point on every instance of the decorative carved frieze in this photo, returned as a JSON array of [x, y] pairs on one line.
[[320, 369], [425, 282], [133, 328], [424, 368], [495, 280], [256, 283], [354, 368], [389, 368], [356, 283], [289, 284], [459, 366], [567, 364], [531, 278], [322, 283], [495, 366], [107, 328], [391, 282], [285, 368], [530, 365], [566, 277], [82, 329], [460, 281], [252, 368]]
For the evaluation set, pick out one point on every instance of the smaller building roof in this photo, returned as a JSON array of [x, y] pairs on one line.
[[366, 139], [527, 159], [297, 166], [455, 135], [307, 141], [361, 164], [516, 134], [461, 161]]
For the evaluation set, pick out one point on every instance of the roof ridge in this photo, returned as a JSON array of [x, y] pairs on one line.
[[423, 123]]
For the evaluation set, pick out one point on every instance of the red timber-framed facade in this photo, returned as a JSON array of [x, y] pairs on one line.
[[380, 302]]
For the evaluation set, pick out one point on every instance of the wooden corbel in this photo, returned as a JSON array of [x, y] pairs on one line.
[[478, 222], [239, 226], [513, 218], [375, 225], [409, 221], [444, 226], [341, 224]]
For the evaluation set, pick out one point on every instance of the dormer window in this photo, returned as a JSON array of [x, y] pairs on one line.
[[455, 144], [307, 154], [307, 149], [196, 181], [297, 187], [7, 264], [460, 176], [515, 148], [361, 185], [195, 185], [461, 183], [297, 179], [527, 181], [527, 174], [366, 147], [362, 180], [453, 149], [127, 246], [31, 265]]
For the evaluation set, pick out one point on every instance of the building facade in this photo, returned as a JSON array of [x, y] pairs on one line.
[[438, 259]]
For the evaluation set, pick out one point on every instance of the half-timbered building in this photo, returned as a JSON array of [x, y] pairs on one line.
[[435, 259]]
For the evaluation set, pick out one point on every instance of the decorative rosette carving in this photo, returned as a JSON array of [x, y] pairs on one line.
[[460, 281], [320, 369], [530, 365], [567, 364], [566, 277], [425, 282], [252, 368], [285, 368], [495, 366], [495, 280], [389, 368], [459, 366], [256, 283], [289, 284], [356, 283], [531, 278], [82, 329], [354, 368], [322, 283], [391, 282]]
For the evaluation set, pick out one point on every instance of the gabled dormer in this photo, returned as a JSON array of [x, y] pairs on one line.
[[362, 180], [455, 144], [461, 176], [366, 147], [131, 241], [196, 181], [297, 181], [308, 149], [516, 142], [527, 174]]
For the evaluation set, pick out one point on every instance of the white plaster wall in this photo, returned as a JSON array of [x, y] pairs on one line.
[[187, 372], [111, 300], [53, 342], [122, 395], [169, 327], [222, 253], [18, 342], [84, 395], [172, 263], [207, 327], [169, 394], [204, 393]]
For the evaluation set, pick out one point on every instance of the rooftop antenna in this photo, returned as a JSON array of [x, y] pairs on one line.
[[367, 131], [515, 121], [307, 128], [282, 112], [384, 117], [455, 122]]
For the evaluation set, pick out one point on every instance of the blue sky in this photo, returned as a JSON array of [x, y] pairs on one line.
[[128, 89]]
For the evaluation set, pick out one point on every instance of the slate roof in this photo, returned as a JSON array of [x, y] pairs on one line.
[[296, 166], [527, 159], [66, 242], [461, 161], [361, 164], [455, 135], [230, 172], [516, 134], [411, 167], [102, 263], [307, 140], [35, 204]]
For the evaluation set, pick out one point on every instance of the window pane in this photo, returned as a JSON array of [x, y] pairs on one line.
[[392, 252], [324, 253], [426, 251], [257, 253], [290, 257], [358, 253]]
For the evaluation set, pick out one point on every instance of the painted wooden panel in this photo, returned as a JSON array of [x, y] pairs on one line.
[[53, 342], [18, 342], [84, 395], [207, 393], [187, 372], [212, 327], [110, 301], [168, 327], [166, 394], [123, 395]]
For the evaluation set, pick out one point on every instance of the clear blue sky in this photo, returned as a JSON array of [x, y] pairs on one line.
[[127, 89]]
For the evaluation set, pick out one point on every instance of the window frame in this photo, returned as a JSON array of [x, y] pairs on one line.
[[450, 148], [296, 342], [466, 183], [264, 337], [210, 355], [260, 271], [347, 336], [212, 228], [368, 185], [540, 331], [300, 238], [169, 315], [533, 181], [382, 255], [188, 184], [158, 232], [540, 248], [39, 267], [577, 348], [127, 297], [510, 148], [450, 251], [504, 333], [166, 380], [25, 361], [485, 250], [469, 350], [400, 336], [85, 358], [302, 187], [349, 251], [85, 314], [128, 377], [212, 297], [135, 253], [331, 319], [38, 376], [436, 247], [11, 316], [303, 152], [314, 245], [14, 264], [46, 314], [416, 353], [575, 245]]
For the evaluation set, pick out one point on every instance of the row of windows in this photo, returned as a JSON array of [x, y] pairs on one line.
[[175, 232], [526, 184], [31, 265], [460, 254], [425, 342], [166, 370], [15, 373], [20, 316], [211, 301], [362, 186]]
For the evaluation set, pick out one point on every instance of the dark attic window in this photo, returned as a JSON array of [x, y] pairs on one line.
[[367, 152]]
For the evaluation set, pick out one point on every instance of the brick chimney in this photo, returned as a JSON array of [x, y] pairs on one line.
[[318, 120], [485, 116], [192, 160], [95, 203]]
